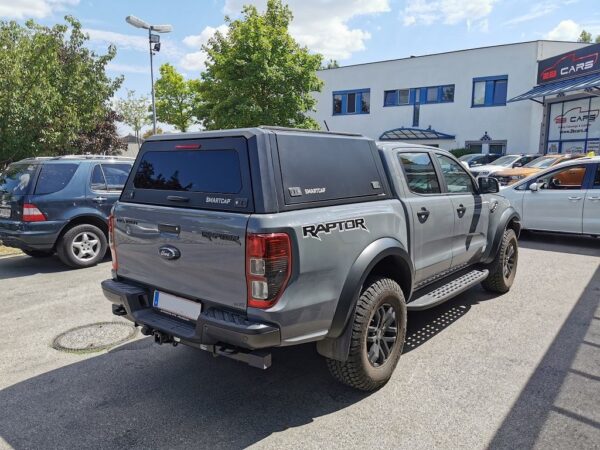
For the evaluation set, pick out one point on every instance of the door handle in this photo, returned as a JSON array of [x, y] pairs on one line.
[[100, 199], [423, 215], [594, 199], [461, 210], [574, 198]]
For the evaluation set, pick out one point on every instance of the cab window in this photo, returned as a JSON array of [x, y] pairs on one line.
[[568, 178], [457, 179], [420, 173]]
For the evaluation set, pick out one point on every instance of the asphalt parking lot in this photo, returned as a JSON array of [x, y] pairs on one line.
[[516, 371]]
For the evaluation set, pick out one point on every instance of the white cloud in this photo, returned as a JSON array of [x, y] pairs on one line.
[[566, 30], [23, 9], [323, 25], [196, 60], [449, 12], [131, 42], [536, 11]]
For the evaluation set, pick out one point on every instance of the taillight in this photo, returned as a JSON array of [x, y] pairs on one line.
[[268, 268], [31, 213], [111, 241]]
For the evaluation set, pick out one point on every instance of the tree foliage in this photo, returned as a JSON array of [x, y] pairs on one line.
[[585, 37], [176, 98], [133, 111], [52, 88], [257, 74], [103, 138]]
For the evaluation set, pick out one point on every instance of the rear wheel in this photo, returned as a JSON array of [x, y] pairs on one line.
[[38, 253], [82, 246], [504, 268], [378, 333]]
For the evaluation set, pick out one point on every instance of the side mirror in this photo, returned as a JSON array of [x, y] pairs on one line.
[[534, 187], [518, 164], [488, 185]]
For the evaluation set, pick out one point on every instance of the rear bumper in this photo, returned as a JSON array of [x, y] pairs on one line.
[[30, 236], [212, 327]]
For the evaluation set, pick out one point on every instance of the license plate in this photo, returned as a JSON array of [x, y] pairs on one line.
[[5, 213], [176, 305]]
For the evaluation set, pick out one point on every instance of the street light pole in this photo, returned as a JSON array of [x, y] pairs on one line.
[[152, 80], [154, 45]]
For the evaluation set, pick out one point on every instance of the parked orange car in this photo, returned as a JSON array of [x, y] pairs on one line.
[[510, 176]]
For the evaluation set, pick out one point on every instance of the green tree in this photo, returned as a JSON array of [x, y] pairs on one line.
[[585, 37], [176, 98], [331, 64], [597, 41], [53, 89], [134, 112], [257, 74], [150, 132]]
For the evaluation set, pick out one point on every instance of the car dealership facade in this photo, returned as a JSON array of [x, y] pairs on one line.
[[530, 97]]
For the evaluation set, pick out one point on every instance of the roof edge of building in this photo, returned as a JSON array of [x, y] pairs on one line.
[[450, 51]]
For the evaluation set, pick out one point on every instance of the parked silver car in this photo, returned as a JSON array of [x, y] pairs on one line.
[[564, 198]]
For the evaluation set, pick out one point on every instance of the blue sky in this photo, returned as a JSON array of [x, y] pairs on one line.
[[351, 31]]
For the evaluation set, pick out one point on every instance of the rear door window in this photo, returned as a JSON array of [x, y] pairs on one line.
[[16, 179], [109, 176], [54, 177], [319, 168], [202, 173], [420, 173]]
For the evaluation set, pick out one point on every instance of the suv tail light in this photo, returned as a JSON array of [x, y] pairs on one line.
[[31, 213], [268, 268], [111, 241]]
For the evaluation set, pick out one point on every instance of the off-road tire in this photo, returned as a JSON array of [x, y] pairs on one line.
[[497, 281], [38, 253], [65, 244], [357, 371]]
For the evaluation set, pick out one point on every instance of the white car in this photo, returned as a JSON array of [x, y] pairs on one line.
[[564, 198], [502, 163]]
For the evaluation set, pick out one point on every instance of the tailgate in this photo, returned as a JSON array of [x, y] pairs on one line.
[[208, 246], [180, 225], [15, 183]]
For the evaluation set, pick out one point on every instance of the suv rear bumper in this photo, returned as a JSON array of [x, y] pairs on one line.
[[30, 236], [213, 325]]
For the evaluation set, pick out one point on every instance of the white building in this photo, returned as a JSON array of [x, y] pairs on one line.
[[463, 98]]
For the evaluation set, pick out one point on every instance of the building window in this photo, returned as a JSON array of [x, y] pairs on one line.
[[421, 95], [396, 97], [434, 94], [448, 93], [490, 91], [352, 102]]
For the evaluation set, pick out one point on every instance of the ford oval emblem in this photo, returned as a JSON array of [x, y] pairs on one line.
[[169, 252]]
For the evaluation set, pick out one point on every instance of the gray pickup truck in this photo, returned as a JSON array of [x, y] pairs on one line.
[[239, 241]]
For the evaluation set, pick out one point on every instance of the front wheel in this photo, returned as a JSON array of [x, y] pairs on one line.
[[82, 246], [378, 333], [504, 267]]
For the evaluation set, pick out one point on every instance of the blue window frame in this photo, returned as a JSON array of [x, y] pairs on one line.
[[419, 96], [489, 91], [356, 101]]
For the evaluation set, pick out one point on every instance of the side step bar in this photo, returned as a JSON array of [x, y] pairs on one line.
[[445, 292]]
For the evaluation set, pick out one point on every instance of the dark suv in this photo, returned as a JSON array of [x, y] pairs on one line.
[[61, 204]]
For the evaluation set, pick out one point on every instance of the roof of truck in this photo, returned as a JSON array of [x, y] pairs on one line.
[[248, 132]]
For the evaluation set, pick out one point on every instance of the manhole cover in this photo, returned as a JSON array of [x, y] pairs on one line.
[[93, 337]]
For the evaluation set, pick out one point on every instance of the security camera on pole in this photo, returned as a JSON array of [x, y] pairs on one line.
[[154, 42]]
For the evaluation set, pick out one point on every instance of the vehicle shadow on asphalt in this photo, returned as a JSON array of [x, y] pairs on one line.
[[25, 266], [564, 243], [425, 325], [144, 396], [560, 400]]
